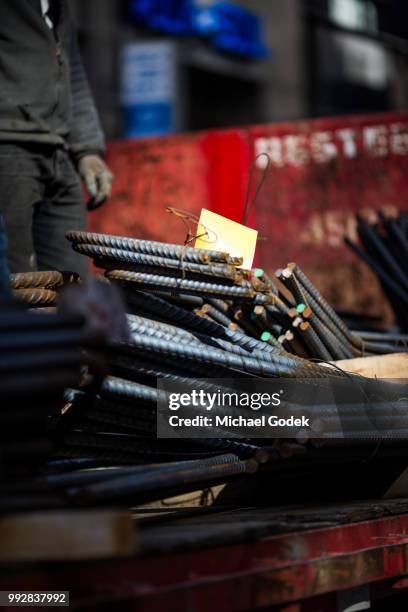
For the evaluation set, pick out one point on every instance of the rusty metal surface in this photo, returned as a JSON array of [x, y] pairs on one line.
[[324, 557], [44, 280], [36, 297], [150, 175]]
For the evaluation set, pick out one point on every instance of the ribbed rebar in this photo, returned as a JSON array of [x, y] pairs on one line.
[[325, 306], [144, 327], [289, 280], [337, 349], [379, 271], [36, 297], [133, 366], [320, 309], [176, 314], [183, 317], [277, 365], [162, 249], [386, 256], [44, 280], [117, 387], [142, 259], [164, 478], [313, 341], [216, 315], [179, 285]]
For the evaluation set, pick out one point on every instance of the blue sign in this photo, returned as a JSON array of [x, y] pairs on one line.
[[168, 16], [148, 88], [232, 29], [227, 26]]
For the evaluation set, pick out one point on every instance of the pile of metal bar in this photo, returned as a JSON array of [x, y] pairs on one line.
[[200, 307], [384, 248], [183, 287], [193, 314], [315, 330], [175, 334], [40, 289], [39, 357]]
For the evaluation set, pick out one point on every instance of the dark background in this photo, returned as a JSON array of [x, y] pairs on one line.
[[320, 64]]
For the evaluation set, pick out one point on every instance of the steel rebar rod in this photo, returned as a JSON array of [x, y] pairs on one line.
[[164, 478], [216, 315], [384, 254], [36, 297], [386, 337], [192, 286], [324, 311], [277, 365], [44, 280], [146, 367], [149, 247], [313, 341], [379, 271], [118, 387], [102, 254], [180, 316]]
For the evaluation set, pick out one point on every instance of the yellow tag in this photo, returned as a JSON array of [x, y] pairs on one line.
[[220, 234]]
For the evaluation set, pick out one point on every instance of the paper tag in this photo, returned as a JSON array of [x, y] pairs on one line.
[[221, 234]]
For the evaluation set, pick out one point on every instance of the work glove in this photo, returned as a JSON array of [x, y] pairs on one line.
[[97, 178]]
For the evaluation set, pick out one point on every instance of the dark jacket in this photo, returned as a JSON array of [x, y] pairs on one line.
[[44, 92]]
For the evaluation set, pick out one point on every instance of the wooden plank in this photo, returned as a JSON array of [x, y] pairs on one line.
[[383, 366], [67, 536]]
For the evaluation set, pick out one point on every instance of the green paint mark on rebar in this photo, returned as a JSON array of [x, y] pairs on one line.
[[258, 272], [301, 308], [266, 336]]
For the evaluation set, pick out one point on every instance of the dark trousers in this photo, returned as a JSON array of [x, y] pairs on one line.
[[40, 199], [4, 271]]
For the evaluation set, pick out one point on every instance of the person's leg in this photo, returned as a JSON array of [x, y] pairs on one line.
[[5, 291], [20, 191], [63, 209]]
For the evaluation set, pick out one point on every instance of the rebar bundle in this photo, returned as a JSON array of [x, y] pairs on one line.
[[243, 309], [192, 314], [40, 289], [40, 356], [384, 248]]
